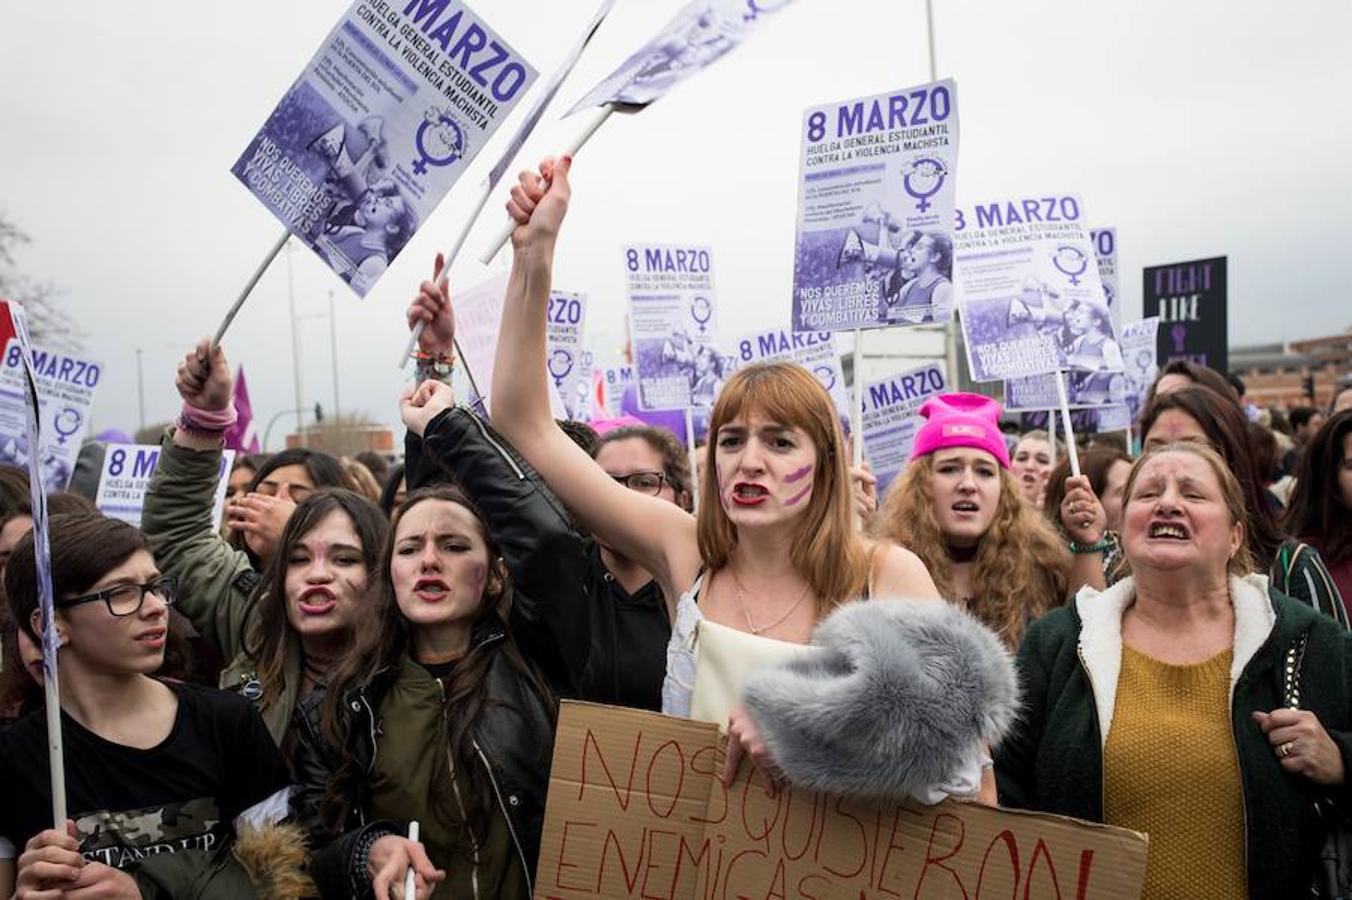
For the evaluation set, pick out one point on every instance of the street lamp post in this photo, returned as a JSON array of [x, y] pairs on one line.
[[295, 347], [299, 413], [333, 351]]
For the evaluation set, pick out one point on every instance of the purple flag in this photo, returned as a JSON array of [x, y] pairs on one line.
[[242, 436]]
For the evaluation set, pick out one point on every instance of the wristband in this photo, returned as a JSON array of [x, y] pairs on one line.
[[1103, 543], [428, 360], [196, 420], [359, 871]]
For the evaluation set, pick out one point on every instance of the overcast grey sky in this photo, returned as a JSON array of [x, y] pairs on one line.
[[1198, 128]]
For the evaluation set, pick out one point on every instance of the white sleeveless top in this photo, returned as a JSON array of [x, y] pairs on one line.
[[679, 683]]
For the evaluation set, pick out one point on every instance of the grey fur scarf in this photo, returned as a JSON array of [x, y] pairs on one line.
[[888, 699]]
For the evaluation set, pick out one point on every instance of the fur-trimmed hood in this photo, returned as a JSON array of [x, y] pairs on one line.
[[891, 698]]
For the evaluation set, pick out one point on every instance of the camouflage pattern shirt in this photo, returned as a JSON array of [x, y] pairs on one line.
[[127, 803]]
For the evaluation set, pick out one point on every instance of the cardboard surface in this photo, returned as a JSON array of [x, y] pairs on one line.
[[636, 810]]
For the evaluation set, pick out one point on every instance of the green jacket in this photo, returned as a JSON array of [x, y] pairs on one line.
[[1069, 665], [216, 581]]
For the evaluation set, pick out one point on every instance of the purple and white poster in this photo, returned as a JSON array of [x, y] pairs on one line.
[[698, 36], [380, 124], [567, 318], [615, 380], [478, 317], [1140, 352], [876, 182], [125, 478], [581, 403], [891, 418], [1084, 390], [1029, 291], [814, 351], [1105, 252], [674, 324], [65, 396]]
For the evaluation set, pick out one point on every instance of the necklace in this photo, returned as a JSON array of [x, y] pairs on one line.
[[963, 554], [746, 613]]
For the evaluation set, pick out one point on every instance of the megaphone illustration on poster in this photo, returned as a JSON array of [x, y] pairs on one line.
[[852, 250], [331, 144], [1018, 313]]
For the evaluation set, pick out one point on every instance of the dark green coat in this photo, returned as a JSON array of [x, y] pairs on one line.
[[1053, 760], [215, 581]]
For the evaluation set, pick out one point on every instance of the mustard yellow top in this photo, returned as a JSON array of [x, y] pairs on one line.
[[1171, 770]]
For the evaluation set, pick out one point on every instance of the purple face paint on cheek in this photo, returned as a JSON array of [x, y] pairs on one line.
[[799, 475], [798, 497], [476, 579]]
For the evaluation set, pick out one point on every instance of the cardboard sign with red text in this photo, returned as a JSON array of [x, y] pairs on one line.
[[636, 810]]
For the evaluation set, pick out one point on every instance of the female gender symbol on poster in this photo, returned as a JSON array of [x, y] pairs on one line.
[[560, 365], [66, 423], [447, 140], [701, 310], [1071, 262], [923, 178]]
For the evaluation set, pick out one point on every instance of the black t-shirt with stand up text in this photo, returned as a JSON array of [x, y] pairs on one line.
[[128, 803]]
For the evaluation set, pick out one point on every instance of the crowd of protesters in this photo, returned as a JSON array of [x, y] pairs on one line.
[[261, 709]]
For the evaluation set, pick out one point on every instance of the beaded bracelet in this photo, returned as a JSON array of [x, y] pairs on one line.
[[1098, 546], [423, 358]]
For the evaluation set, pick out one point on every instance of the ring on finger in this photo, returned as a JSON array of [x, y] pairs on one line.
[[1285, 750]]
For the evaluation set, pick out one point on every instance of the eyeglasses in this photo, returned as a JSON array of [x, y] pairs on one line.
[[644, 482], [126, 599]]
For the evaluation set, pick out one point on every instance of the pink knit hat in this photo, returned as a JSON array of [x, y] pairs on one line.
[[961, 420]]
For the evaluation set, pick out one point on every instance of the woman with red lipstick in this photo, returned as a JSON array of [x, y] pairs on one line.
[[1188, 702], [959, 508], [617, 601], [774, 548], [435, 716], [152, 767]]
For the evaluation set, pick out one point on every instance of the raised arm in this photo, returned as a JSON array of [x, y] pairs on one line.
[[215, 579], [657, 535], [545, 555]]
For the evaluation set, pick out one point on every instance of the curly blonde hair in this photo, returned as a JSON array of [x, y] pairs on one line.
[[1021, 570]]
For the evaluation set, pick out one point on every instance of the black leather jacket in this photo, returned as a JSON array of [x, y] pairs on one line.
[[601, 644], [549, 566], [514, 738], [545, 555]]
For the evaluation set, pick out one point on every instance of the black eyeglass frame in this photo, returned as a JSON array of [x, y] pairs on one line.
[[159, 587], [660, 476]]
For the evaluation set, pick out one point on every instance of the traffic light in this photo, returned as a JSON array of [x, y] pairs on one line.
[[319, 412]]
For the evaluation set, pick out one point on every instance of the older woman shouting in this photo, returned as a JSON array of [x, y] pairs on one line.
[[1158, 704]]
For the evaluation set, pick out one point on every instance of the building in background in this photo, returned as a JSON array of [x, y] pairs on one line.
[[1297, 373]]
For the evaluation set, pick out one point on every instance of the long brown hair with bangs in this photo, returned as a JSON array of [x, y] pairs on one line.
[[1021, 570], [826, 549], [381, 648]]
